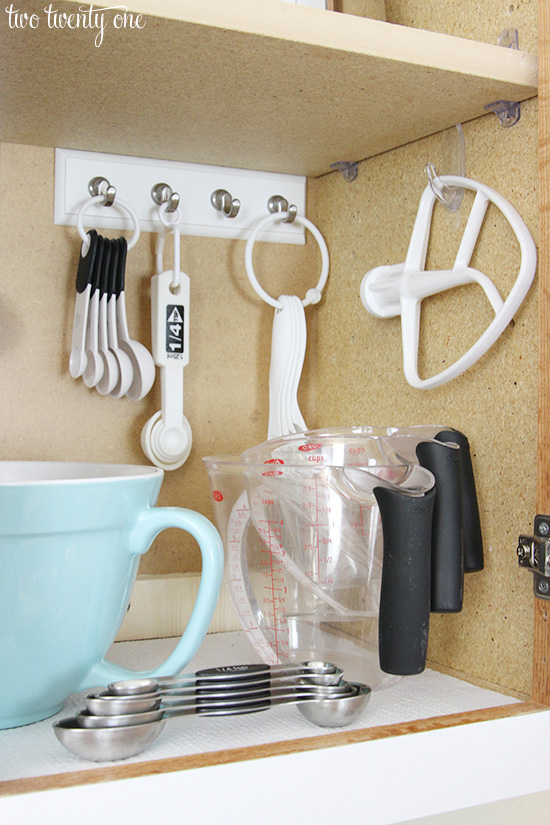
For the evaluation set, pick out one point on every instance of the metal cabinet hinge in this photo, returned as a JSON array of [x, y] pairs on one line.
[[534, 554]]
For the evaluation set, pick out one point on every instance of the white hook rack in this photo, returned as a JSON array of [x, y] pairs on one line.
[[136, 178]]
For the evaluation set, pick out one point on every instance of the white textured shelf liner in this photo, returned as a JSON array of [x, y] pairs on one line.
[[34, 750]]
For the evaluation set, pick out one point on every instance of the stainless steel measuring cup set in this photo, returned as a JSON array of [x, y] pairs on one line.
[[123, 719]]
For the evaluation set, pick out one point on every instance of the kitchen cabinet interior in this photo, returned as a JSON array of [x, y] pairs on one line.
[[290, 89], [228, 84]]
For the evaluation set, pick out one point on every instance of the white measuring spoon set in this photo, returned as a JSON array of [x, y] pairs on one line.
[[288, 343], [102, 352]]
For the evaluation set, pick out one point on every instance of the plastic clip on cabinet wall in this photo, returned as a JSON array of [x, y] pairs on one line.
[[398, 289]]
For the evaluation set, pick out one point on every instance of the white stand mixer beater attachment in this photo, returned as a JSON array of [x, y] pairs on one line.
[[166, 438], [398, 289]]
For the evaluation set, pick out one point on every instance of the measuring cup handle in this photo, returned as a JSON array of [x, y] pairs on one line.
[[150, 523], [471, 522], [447, 544], [404, 615]]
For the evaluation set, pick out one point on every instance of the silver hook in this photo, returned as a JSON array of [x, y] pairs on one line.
[[101, 186], [277, 203], [224, 202], [162, 193]]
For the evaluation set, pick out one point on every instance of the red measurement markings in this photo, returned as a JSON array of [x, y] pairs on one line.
[[359, 524], [277, 589]]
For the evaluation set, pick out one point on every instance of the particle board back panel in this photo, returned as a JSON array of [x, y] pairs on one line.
[[48, 415], [469, 18], [360, 375]]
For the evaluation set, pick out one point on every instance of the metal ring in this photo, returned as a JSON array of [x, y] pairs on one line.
[[100, 199], [313, 295]]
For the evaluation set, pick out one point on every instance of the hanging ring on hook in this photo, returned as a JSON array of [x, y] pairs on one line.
[[167, 222], [313, 296], [225, 203], [277, 204], [174, 227], [99, 199], [163, 194]]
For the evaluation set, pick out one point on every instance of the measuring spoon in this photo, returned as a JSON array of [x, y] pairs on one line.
[[202, 704], [94, 362], [142, 361], [108, 744], [288, 348], [108, 381], [86, 261], [326, 672], [99, 703], [166, 439], [125, 369]]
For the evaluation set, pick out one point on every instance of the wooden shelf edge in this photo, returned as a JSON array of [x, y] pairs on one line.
[[201, 760], [341, 85], [344, 32]]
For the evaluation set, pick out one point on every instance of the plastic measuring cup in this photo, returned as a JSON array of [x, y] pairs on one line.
[[315, 532]]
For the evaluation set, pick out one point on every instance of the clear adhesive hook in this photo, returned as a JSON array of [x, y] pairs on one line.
[[453, 162]]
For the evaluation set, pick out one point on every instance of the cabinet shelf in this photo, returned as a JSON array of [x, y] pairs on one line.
[[261, 85], [431, 703]]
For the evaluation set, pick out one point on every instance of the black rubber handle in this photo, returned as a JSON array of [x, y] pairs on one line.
[[84, 272], [471, 523], [121, 270], [405, 590], [97, 268], [103, 268], [112, 274], [447, 587]]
